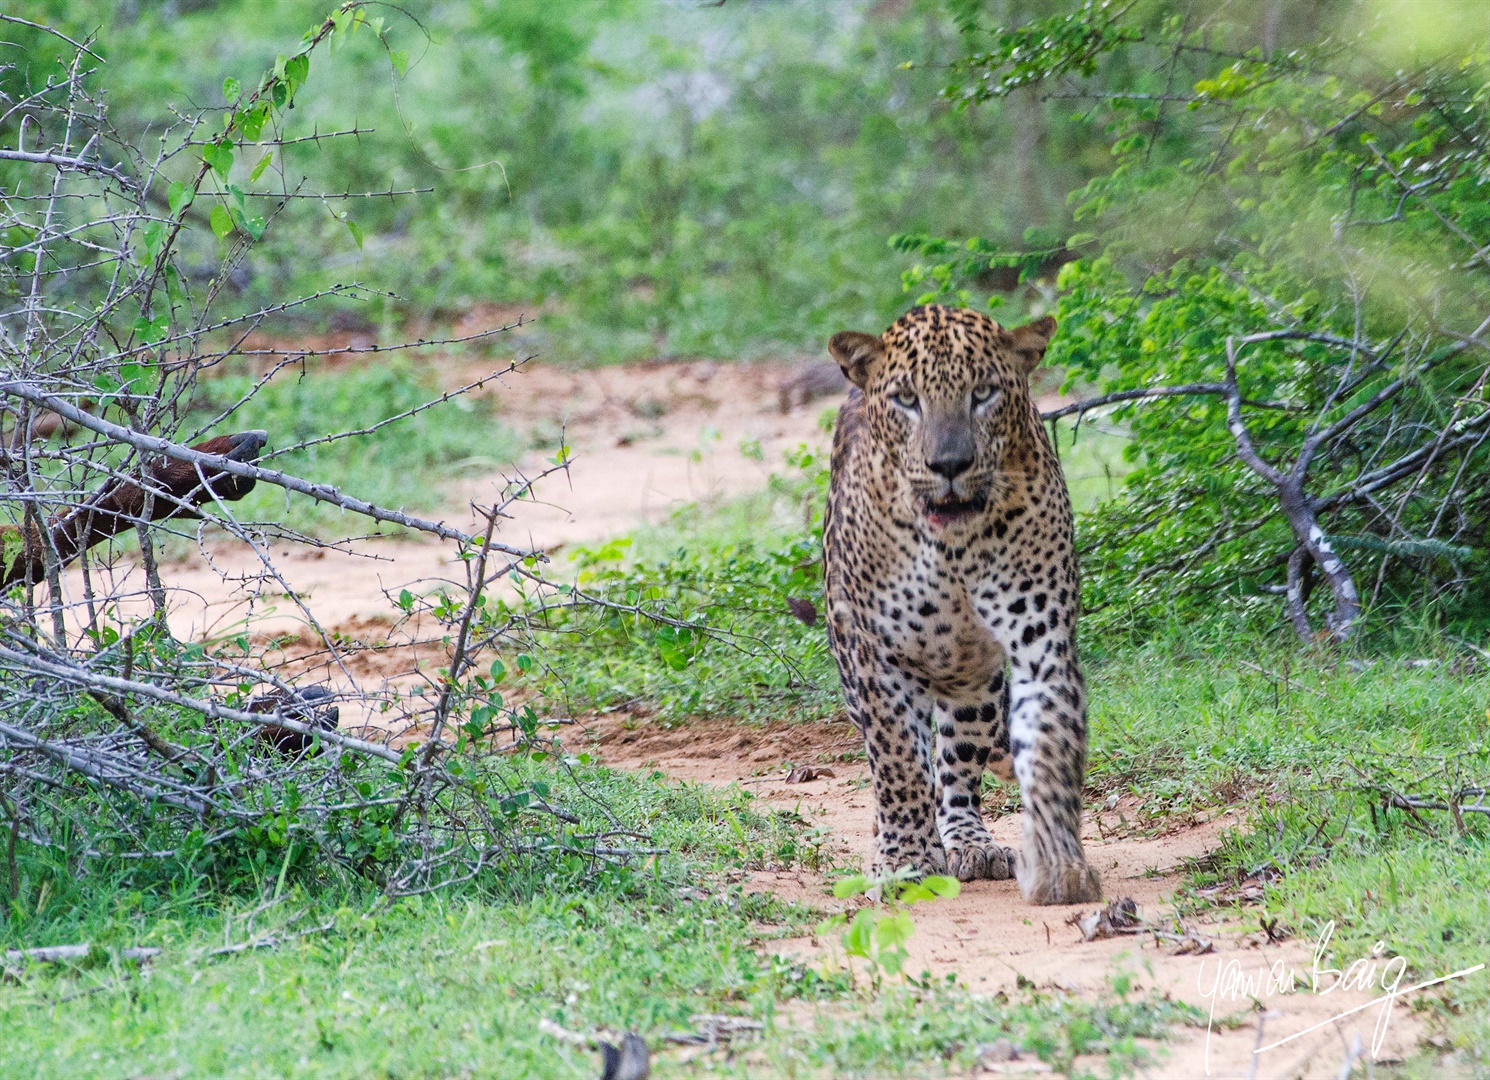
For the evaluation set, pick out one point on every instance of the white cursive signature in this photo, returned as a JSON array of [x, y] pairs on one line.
[[1367, 974]]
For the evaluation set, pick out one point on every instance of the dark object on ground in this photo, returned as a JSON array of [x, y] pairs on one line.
[[303, 706], [805, 774], [119, 504], [804, 610], [1118, 917], [814, 381], [630, 1062]]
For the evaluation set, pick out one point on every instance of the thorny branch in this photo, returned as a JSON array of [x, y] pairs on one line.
[[117, 739]]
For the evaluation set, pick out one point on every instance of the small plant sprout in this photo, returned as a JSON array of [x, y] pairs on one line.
[[878, 934]]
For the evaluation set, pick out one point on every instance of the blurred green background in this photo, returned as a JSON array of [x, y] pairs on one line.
[[658, 179]]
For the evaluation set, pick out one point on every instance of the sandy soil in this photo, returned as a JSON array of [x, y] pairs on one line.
[[644, 441], [991, 939]]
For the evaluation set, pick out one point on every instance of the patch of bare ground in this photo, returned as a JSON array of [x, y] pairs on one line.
[[991, 941]]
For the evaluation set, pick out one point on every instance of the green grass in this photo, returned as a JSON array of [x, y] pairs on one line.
[[1202, 715], [457, 984], [405, 465], [1198, 717]]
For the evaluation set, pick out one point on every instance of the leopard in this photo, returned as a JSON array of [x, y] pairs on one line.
[[951, 594]]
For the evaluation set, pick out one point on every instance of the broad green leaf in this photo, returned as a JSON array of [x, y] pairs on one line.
[[222, 223], [258, 169], [219, 156], [297, 69], [943, 886], [252, 122], [400, 60], [893, 931], [231, 89], [852, 885], [179, 197]]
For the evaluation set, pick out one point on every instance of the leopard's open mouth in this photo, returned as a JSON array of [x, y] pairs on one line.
[[942, 512]]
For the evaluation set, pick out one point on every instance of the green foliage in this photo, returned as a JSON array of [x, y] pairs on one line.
[[707, 181], [470, 977], [879, 937], [1322, 188], [699, 622]]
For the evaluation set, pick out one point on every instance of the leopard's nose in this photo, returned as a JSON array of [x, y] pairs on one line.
[[950, 465]]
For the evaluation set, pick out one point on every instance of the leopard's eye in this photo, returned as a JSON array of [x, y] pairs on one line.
[[982, 393], [905, 398]]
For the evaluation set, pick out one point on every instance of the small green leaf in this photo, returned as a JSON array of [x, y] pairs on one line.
[[406, 600], [133, 373], [945, 887], [258, 170], [913, 892], [400, 60], [153, 234], [13, 544], [219, 156], [893, 931], [231, 89], [355, 230], [252, 122], [858, 940], [850, 886], [297, 69], [222, 223], [179, 197]]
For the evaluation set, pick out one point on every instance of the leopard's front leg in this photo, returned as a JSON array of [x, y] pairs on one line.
[[1047, 736], [970, 739], [895, 717]]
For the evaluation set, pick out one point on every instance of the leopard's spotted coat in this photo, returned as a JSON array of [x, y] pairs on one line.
[[952, 599]]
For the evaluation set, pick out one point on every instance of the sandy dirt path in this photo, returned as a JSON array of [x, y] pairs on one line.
[[644, 440], [991, 939]]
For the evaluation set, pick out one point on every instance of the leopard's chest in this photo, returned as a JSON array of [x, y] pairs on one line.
[[929, 616]]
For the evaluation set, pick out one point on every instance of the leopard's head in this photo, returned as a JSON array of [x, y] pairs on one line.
[[947, 398]]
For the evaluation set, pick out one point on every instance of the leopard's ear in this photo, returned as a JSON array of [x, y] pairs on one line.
[[1030, 341], [856, 353]]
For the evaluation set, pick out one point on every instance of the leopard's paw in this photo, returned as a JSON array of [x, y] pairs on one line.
[[892, 855], [1065, 881], [980, 860]]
